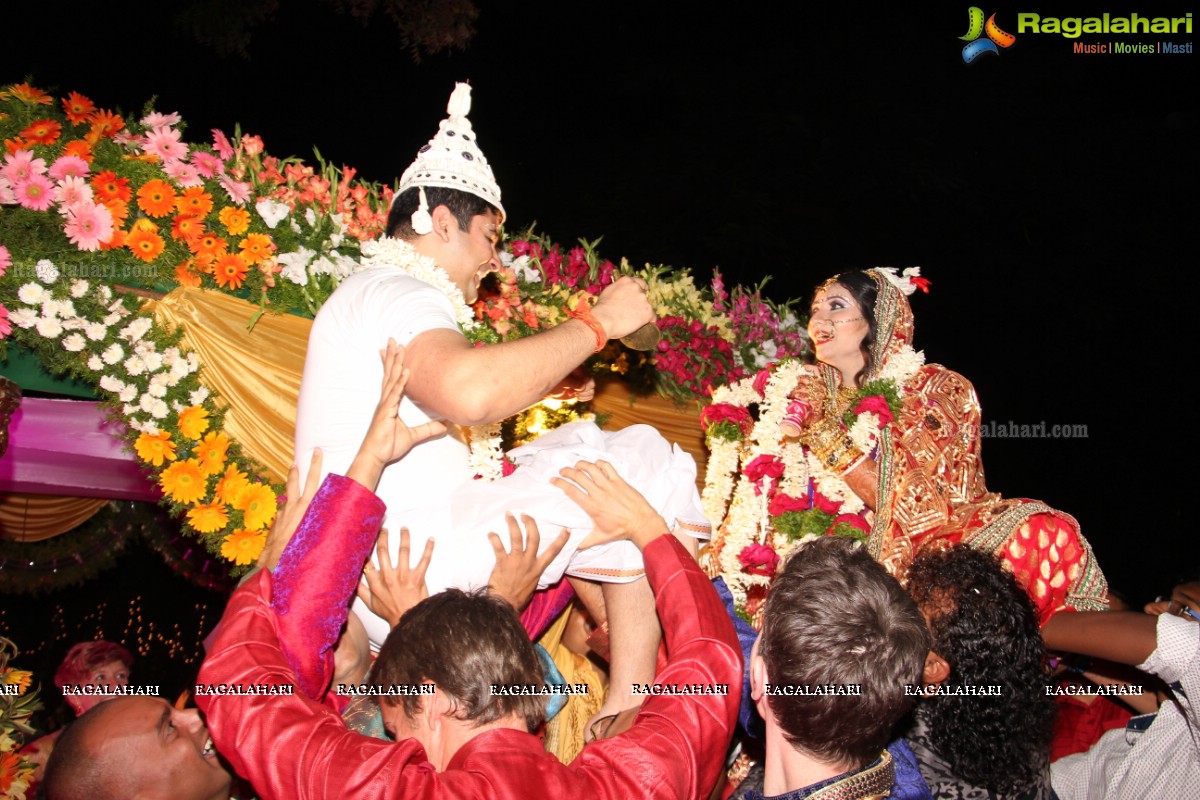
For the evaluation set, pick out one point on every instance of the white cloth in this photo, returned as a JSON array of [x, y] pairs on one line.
[[430, 491], [1163, 761]]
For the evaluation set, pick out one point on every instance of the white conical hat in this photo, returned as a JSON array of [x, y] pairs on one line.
[[452, 160]]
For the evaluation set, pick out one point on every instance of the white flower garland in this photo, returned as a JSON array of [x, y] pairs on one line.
[[486, 458]]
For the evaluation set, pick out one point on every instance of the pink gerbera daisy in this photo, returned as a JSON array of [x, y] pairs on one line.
[[239, 192], [36, 193], [127, 139], [71, 190], [88, 224], [7, 198], [221, 143], [5, 260], [207, 164], [69, 166], [183, 173], [157, 120], [21, 165], [164, 143], [5, 327]]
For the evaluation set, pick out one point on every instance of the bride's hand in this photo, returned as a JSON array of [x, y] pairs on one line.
[[808, 404]]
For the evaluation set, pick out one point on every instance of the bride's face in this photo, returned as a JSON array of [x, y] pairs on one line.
[[837, 328]]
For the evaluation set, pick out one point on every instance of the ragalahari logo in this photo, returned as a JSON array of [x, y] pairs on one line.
[[976, 27]]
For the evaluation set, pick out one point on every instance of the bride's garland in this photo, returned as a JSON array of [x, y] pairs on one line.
[[769, 490], [487, 452]]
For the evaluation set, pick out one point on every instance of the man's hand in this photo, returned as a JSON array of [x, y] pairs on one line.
[[518, 569], [623, 307], [618, 510], [1184, 601], [579, 385], [288, 517], [388, 438], [389, 590]]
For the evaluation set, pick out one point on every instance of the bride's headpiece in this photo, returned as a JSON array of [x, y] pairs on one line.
[[907, 282]]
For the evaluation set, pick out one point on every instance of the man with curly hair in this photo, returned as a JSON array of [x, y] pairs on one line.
[[983, 728]]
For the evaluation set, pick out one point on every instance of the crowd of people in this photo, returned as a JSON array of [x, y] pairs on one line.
[[931, 660]]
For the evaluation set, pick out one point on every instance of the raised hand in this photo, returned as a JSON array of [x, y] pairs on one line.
[[287, 519], [389, 438], [389, 590], [618, 510], [623, 307], [518, 569]]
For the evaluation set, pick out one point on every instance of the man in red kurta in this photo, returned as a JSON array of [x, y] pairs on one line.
[[295, 747]]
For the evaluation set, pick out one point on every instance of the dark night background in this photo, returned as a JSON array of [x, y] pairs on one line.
[[1049, 196]]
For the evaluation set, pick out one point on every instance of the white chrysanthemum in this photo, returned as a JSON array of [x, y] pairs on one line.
[[128, 393], [111, 319], [134, 365], [94, 363], [154, 406], [199, 396], [74, 324], [153, 361], [95, 331], [79, 288], [156, 389], [113, 353], [46, 271], [110, 383], [134, 331], [74, 343], [104, 293], [179, 370], [49, 327], [32, 294], [193, 362]]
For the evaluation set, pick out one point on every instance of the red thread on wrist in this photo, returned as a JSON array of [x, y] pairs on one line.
[[583, 313]]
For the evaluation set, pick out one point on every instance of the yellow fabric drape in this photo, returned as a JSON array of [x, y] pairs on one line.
[[256, 372], [677, 423], [34, 517], [564, 734]]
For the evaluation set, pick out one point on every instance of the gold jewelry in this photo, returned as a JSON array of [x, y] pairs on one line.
[[832, 445]]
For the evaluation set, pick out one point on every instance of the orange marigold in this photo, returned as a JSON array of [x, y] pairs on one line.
[[143, 241], [188, 228], [27, 94], [42, 131], [156, 198], [231, 485], [210, 452], [110, 187], [186, 275], [236, 220], [243, 547], [230, 271], [78, 147], [208, 518], [78, 108], [183, 481], [256, 247], [193, 422], [257, 504], [155, 448], [194, 200]]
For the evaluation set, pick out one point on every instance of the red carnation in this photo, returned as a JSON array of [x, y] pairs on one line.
[[761, 467], [825, 504], [726, 412], [761, 380], [758, 559], [876, 404], [853, 520]]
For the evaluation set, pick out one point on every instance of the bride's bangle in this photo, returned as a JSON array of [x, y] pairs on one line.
[[832, 445]]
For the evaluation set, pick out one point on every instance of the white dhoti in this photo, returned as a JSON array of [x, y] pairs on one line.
[[463, 557]]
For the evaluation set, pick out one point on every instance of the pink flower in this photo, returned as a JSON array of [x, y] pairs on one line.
[[782, 503], [88, 224], [239, 192], [36, 193], [183, 173], [208, 165], [761, 380], [854, 520], [69, 166], [157, 120], [21, 166], [5, 327], [758, 559], [127, 139], [724, 412], [164, 143], [7, 198], [222, 145], [5, 260], [876, 404], [823, 503], [253, 145], [765, 466], [71, 190]]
